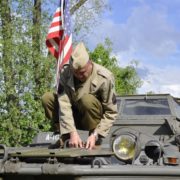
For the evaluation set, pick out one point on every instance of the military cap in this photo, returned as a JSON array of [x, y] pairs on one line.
[[79, 56]]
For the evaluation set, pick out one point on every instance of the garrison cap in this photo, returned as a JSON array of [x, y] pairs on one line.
[[79, 56]]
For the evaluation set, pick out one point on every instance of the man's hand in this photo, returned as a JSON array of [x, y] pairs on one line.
[[90, 144], [75, 140]]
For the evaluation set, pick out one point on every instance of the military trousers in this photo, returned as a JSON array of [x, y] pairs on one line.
[[87, 111]]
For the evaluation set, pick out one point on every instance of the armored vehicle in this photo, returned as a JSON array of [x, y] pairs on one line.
[[142, 144]]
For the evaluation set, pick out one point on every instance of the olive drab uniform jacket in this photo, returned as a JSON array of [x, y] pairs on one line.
[[100, 84]]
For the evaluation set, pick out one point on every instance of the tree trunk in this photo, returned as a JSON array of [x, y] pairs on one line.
[[77, 6], [36, 44]]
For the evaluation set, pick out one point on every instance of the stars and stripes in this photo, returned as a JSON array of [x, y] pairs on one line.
[[59, 38]]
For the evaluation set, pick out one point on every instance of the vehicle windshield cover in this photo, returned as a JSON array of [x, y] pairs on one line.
[[146, 107]]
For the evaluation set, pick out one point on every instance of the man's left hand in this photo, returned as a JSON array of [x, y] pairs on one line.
[[91, 140]]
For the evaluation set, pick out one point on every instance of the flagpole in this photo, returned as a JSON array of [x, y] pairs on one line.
[[60, 45]]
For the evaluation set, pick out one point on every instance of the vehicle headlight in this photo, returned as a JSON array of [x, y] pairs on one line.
[[124, 146], [153, 150]]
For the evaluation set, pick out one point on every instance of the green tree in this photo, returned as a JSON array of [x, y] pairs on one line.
[[126, 79], [26, 72], [22, 63]]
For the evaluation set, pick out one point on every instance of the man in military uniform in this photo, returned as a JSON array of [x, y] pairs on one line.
[[86, 99]]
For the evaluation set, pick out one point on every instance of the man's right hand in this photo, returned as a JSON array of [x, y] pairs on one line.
[[75, 140]]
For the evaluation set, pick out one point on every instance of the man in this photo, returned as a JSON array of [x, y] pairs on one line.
[[86, 99]]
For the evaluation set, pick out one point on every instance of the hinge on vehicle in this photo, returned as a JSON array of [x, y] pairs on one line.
[[97, 162], [52, 160], [14, 159]]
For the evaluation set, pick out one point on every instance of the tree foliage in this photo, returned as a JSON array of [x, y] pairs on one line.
[[26, 71], [126, 79], [86, 17]]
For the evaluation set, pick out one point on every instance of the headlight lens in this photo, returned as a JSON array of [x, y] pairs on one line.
[[153, 150], [124, 146]]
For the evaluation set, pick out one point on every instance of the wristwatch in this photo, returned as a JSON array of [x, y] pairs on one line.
[[94, 133]]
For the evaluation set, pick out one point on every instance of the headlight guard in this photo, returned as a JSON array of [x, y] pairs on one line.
[[126, 146]]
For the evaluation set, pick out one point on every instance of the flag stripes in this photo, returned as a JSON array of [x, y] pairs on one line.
[[59, 38]]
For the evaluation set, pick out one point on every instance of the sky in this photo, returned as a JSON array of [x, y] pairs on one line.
[[147, 31]]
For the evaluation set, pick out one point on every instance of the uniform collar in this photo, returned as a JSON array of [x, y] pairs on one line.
[[93, 79]]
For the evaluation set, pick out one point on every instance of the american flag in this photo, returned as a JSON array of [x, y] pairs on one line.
[[59, 38]]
